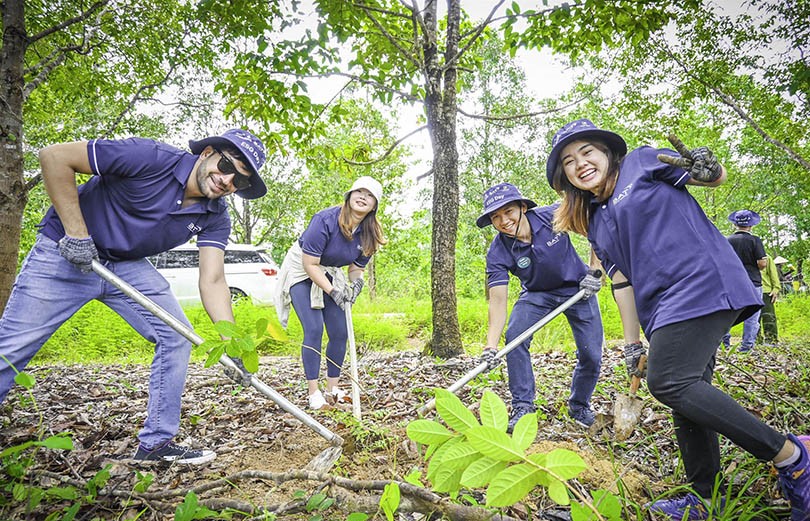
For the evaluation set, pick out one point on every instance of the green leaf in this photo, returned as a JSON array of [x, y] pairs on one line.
[[607, 504], [460, 456], [25, 380], [215, 355], [511, 485], [540, 461], [453, 412], [438, 456], [565, 464], [185, 511], [357, 516], [493, 411], [62, 492], [314, 501], [227, 329], [261, 327], [481, 472], [447, 480], [558, 492], [414, 477], [495, 444], [428, 432], [389, 500], [59, 441], [15, 449], [525, 431], [251, 361]]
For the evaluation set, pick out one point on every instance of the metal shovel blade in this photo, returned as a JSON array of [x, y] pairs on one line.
[[626, 413], [627, 408]]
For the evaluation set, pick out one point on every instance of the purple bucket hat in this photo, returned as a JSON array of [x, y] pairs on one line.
[[744, 218], [253, 155], [580, 129], [498, 196]]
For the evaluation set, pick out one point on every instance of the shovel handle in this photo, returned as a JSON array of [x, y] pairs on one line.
[[635, 381]]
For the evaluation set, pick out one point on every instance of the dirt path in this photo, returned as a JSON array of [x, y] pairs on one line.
[[104, 408]]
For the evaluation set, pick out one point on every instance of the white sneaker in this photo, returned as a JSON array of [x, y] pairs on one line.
[[316, 401]]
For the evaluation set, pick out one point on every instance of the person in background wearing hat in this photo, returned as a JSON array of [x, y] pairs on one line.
[[311, 279], [770, 292], [751, 251], [676, 276], [550, 272], [144, 197]]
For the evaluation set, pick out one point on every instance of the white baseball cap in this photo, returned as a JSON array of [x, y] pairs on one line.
[[370, 184]]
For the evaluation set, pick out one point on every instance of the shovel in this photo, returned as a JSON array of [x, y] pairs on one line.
[[320, 463], [353, 363], [483, 366], [627, 409]]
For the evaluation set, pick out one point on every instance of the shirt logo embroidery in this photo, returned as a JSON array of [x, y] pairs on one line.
[[555, 240], [193, 228], [524, 262], [624, 193]]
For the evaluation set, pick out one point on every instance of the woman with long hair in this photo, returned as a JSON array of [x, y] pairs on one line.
[[311, 278], [676, 276]]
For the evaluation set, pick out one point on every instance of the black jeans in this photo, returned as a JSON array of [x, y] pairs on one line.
[[679, 373]]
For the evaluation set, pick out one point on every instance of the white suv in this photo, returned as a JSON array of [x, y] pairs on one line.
[[249, 270]]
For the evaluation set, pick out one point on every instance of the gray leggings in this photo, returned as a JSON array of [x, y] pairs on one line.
[[679, 373]]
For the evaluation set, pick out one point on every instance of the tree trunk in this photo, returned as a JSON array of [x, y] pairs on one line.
[[441, 116], [13, 194]]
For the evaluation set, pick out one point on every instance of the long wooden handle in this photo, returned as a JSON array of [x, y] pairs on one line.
[[635, 381]]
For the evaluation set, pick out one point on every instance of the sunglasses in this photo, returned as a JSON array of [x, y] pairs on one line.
[[226, 166]]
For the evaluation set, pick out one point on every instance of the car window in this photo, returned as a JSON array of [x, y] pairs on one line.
[[181, 259], [242, 257]]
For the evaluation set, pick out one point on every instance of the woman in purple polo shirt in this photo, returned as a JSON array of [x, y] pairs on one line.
[[311, 279], [675, 276], [550, 272]]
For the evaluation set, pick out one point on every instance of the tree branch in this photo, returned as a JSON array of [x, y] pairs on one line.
[[732, 103], [388, 151], [137, 97], [67, 23], [410, 57], [475, 34]]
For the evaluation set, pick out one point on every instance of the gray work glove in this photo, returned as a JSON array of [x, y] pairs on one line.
[[488, 357], [356, 288], [632, 355], [699, 162], [80, 252], [341, 297], [592, 283], [242, 376]]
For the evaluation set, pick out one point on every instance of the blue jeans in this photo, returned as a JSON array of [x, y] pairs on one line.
[[49, 290], [586, 325], [750, 332], [679, 374], [313, 321]]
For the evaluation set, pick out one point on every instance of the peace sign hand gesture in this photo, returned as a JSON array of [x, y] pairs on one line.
[[699, 162]]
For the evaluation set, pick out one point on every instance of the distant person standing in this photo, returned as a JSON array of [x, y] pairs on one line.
[[785, 274], [770, 292], [750, 250]]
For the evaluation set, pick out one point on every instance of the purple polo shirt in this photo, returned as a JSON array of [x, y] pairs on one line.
[[550, 262], [652, 230], [132, 204], [323, 239]]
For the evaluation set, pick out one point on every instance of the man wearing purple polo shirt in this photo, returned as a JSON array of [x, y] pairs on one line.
[[144, 197], [550, 272]]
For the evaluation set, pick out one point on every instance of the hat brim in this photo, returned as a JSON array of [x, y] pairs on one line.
[[485, 220], [753, 221], [614, 142], [257, 187]]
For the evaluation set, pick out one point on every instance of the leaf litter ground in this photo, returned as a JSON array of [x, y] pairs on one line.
[[104, 407]]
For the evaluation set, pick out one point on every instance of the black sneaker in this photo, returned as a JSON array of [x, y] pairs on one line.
[[172, 453], [518, 412], [582, 416]]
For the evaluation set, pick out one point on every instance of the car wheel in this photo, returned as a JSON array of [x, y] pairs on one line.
[[237, 295]]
